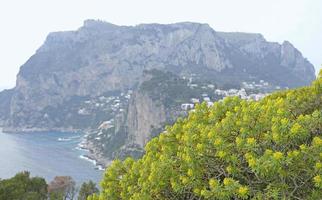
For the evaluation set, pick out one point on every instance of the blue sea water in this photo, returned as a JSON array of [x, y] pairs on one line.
[[47, 155]]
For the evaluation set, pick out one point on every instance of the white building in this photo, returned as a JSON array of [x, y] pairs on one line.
[[206, 99], [194, 100], [187, 106], [209, 104]]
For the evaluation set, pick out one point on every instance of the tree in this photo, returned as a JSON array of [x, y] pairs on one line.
[[87, 189], [22, 186], [237, 149], [62, 188]]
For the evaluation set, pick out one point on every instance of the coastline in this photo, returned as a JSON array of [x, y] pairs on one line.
[[35, 130], [92, 154]]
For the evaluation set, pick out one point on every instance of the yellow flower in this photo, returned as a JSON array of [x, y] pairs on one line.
[[284, 121], [303, 147], [221, 154], [229, 169], [243, 191], [228, 181], [318, 165], [280, 111], [251, 141], [294, 153], [317, 141], [162, 158], [185, 138], [317, 179], [248, 156], [217, 141], [213, 183], [268, 151], [238, 141], [150, 178], [296, 128], [278, 155], [236, 108], [173, 184], [196, 191], [184, 180], [190, 172], [203, 192], [251, 162], [200, 147], [276, 136], [242, 130], [187, 158]]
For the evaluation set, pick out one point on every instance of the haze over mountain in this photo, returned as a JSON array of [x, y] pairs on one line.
[[295, 21], [58, 86]]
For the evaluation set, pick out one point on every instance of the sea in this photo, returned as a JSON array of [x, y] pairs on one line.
[[46, 154]]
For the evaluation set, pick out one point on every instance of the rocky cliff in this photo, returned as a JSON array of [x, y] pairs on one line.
[[144, 114], [79, 79]]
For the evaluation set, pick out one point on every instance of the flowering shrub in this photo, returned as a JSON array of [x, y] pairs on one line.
[[236, 149]]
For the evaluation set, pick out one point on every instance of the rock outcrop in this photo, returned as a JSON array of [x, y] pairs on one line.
[[144, 114]]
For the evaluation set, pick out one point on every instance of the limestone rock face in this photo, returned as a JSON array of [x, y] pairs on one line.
[[292, 58], [100, 57], [143, 115]]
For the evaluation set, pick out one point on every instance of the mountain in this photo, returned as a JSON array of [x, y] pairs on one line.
[[104, 75]]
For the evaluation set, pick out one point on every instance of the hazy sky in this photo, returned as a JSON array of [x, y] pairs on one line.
[[25, 24]]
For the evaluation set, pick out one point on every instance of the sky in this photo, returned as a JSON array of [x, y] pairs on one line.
[[25, 24]]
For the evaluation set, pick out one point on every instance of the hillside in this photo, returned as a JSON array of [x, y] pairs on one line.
[[235, 149]]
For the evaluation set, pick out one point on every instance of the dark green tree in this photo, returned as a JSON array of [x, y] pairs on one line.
[[87, 189], [22, 186]]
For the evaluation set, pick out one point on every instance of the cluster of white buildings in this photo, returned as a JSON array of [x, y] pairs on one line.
[[110, 103], [193, 101], [241, 93]]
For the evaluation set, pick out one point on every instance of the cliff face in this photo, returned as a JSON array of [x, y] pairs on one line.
[[100, 58], [5, 100], [144, 114]]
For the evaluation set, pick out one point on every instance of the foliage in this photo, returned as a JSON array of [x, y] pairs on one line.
[[62, 187], [169, 88], [87, 189], [237, 149], [22, 186]]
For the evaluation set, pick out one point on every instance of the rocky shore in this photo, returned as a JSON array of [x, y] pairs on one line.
[[93, 153]]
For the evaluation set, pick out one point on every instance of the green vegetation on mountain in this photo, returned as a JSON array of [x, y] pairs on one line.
[[170, 88], [236, 149], [22, 186]]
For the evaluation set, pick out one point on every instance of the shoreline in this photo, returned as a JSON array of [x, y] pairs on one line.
[[91, 155], [98, 166], [35, 130]]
